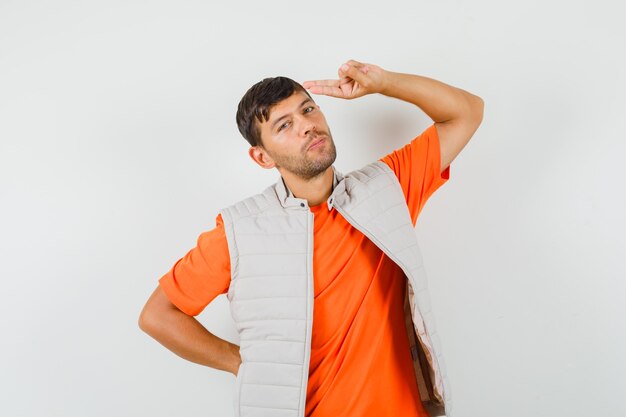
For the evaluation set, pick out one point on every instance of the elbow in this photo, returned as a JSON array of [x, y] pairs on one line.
[[158, 309], [146, 317], [478, 108], [145, 321], [472, 109], [149, 317]]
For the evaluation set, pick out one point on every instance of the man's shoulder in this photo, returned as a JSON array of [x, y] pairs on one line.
[[370, 172], [251, 205]]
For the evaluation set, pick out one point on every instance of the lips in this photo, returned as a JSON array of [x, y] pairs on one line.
[[316, 142]]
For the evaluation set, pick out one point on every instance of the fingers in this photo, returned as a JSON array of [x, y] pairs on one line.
[[327, 87], [353, 82], [327, 90], [344, 75], [331, 83], [355, 70]]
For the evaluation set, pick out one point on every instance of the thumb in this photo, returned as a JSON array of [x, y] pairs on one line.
[[356, 72]]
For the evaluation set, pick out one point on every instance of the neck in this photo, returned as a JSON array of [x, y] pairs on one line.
[[315, 190]]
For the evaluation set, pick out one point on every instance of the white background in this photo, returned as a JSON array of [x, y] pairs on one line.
[[119, 146]]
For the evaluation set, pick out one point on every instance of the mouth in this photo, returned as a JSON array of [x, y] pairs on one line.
[[316, 143]]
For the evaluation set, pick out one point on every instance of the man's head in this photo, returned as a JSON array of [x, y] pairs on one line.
[[280, 120]]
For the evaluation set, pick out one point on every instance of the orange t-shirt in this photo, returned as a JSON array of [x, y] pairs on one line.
[[360, 359]]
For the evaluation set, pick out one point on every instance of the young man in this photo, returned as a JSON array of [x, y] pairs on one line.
[[322, 271]]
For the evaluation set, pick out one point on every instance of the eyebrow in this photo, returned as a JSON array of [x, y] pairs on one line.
[[287, 115]]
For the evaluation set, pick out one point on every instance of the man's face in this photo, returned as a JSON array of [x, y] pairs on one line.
[[294, 125]]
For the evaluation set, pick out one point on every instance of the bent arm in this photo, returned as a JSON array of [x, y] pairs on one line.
[[457, 113], [185, 336]]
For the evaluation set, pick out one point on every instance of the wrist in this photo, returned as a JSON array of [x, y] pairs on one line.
[[235, 358], [388, 82]]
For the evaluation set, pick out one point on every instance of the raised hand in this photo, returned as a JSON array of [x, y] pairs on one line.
[[356, 79]]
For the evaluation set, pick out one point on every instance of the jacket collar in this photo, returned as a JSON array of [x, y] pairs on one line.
[[287, 199]]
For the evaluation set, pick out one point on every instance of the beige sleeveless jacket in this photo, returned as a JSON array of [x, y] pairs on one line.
[[270, 240]]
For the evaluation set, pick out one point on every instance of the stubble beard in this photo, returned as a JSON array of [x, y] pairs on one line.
[[307, 166]]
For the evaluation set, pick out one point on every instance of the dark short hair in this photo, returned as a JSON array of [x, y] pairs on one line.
[[257, 102]]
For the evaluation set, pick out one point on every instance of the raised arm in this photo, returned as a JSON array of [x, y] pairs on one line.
[[456, 112]]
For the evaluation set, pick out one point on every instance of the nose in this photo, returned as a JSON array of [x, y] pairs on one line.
[[307, 126]]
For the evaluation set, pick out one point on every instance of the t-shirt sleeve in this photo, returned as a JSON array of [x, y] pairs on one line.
[[202, 274], [417, 166]]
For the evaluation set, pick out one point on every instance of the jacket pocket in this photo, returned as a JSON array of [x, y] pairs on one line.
[[237, 389]]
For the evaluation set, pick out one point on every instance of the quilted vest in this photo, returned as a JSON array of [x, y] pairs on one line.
[[270, 240]]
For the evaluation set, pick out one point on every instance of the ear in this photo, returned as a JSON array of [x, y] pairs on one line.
[[261, 157]]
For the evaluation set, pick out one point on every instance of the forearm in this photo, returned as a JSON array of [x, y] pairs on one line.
[[186, 337], [440, 101]]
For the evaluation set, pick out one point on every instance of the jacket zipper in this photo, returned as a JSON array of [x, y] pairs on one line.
[[310, 300]]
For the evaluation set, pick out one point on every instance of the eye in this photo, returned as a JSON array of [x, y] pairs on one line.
[[306, 110]]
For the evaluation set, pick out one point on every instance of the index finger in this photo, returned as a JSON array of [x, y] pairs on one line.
[[329, 83], [326, 90], [327, 87]]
